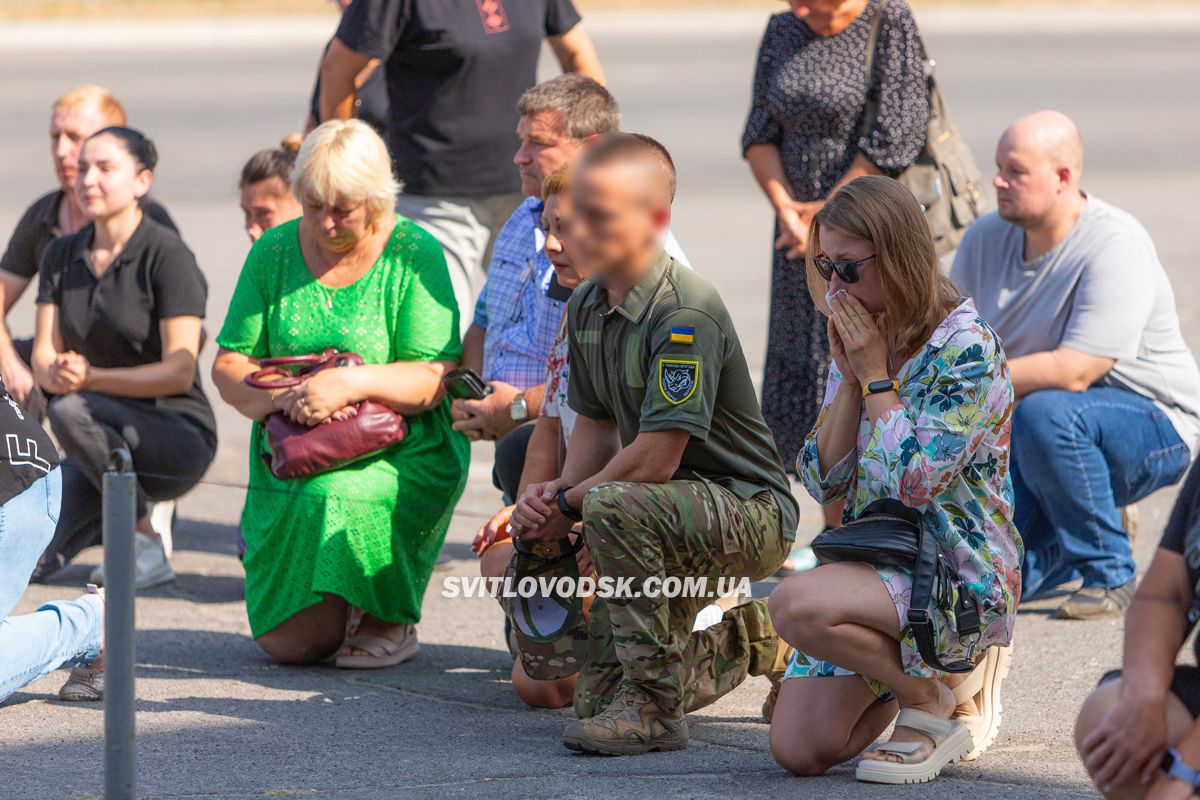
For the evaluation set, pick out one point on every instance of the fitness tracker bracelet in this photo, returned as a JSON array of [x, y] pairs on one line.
[[879, 387], [1174, 767], [568, 511]]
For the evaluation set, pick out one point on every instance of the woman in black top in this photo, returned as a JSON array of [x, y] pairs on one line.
[[1151, 708], [120, 305], [803, 139]]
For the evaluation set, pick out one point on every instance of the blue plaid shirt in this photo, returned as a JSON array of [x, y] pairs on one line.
[[521, 321]]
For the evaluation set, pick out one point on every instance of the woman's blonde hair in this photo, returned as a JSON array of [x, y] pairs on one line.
[[558, 181], [883, 212], [345, 158]]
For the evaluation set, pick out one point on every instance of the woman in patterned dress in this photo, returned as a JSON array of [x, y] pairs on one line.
[[918, 408], [804, 137], [352, 275]]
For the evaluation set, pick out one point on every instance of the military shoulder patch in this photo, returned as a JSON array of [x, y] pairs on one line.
[[677, 379]]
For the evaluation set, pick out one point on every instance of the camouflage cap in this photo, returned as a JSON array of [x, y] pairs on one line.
[[550, 630]]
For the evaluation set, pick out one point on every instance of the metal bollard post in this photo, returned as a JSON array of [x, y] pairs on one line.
[[120, 755]]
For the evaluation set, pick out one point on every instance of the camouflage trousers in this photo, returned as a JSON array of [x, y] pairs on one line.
[[682, 529]]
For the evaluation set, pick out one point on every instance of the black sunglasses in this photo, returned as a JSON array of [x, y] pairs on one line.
[[846, 270]]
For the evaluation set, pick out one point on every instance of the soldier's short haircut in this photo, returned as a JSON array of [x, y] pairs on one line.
[[664, 155], [585, 107], [632, 148]]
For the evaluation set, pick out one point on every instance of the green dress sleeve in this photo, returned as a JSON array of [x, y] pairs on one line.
[[245, 327], [427, 327]]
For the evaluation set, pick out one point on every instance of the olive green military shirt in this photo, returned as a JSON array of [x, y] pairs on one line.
[[668, 358]]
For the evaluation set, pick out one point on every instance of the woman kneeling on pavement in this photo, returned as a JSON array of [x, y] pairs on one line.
[[1139, 732], [918, 409], [337, 562]]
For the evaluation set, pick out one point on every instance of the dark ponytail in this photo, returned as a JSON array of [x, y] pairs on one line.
[[276, 162], [135, 143]]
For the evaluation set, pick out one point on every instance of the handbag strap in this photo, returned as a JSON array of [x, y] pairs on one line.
[[926, 571], [281, 377], [871, 106]]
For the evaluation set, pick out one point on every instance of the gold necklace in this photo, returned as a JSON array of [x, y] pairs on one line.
[[329, 293]]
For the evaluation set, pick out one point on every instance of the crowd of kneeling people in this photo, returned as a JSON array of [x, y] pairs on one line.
[[1020, 405]]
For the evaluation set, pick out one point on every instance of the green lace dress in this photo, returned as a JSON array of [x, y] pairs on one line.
[[369, 532]]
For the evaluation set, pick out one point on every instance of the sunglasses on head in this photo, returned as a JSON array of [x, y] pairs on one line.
[[846, 270]]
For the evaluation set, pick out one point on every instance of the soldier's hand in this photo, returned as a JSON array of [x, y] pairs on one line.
[[531, 509]]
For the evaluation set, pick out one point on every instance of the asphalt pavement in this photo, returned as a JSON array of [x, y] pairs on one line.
[[217, 719]]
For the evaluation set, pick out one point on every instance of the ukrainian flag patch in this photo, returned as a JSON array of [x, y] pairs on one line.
[[681, 334]]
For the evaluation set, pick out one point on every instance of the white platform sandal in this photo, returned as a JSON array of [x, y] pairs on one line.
[[951, 741], [984, 683]]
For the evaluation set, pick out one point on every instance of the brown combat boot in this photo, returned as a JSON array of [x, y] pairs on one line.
[[783, 655], [633, 724]]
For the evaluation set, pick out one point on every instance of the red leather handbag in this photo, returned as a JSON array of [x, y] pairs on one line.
[[298, 450]]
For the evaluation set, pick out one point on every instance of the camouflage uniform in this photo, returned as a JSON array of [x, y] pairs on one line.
[[668, 358], [679, 528]]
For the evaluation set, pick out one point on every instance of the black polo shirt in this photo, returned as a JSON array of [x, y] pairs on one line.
[[113, 320], [39, 226], [455, 70], [26, 453]]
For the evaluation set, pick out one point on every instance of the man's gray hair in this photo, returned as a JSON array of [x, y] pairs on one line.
[[585, 107]]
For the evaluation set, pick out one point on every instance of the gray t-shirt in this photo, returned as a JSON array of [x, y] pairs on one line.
[[1101, 291]]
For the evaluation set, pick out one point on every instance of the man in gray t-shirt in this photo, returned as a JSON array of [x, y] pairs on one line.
[[1108, 392]]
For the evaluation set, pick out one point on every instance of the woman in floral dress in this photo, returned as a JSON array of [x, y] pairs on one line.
[[918, 408]]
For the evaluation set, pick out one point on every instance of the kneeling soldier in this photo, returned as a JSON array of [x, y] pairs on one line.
[[671, 467]]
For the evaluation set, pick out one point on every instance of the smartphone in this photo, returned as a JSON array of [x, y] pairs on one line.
[[464, 383]]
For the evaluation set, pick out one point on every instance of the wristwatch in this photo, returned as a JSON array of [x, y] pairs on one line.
[[518, 409], [879, 387], [1174, 767], [568, 510]]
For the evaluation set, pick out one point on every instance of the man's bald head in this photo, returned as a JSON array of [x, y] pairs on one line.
[[1051, 133], [1039, 161]]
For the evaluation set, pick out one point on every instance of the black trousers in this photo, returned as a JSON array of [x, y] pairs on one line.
[[170, 455], [510, 461]]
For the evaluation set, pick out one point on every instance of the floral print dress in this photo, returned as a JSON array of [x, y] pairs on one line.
[[943, 450]]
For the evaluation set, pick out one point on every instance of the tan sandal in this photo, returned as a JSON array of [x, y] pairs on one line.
[[984, 683], [381, 651], [951, 741]]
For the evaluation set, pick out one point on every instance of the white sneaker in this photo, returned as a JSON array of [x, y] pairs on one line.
[[151, 567], [162, 517]]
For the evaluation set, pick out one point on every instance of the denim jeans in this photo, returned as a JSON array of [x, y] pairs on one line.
[[57, 634], [1077, 457]]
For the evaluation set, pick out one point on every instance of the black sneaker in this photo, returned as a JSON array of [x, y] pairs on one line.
[[1097, 603]]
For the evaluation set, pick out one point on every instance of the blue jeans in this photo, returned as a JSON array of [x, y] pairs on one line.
[[57, 634], [1077, 457]]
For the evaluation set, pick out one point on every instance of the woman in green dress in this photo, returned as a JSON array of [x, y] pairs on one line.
[[352, 275]]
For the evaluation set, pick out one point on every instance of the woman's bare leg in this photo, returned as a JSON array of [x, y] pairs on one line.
[[821, 722], [842, 613], [308, 636]]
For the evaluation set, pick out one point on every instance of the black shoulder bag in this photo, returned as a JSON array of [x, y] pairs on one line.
[[889, 533], [944, 178]]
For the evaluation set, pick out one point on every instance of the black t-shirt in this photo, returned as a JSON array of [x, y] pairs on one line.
[[1182, 535], [113, 320], [27, 453], [39, 226], [455, 70]]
